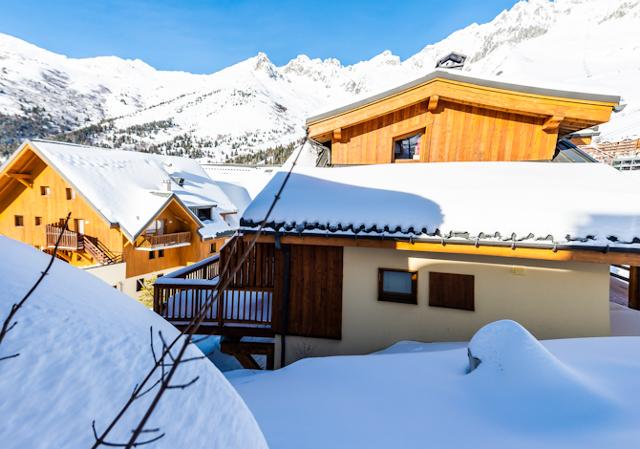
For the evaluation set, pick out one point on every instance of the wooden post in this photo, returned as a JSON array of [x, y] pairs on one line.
[[286, 287], [634, 287]]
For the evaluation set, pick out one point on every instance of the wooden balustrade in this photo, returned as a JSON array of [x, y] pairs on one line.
[[165, 240], [70, 240], [244, 308]]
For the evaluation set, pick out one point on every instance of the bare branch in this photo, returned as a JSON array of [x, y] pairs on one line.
[[183, 386], [8, 323], [9, 356]]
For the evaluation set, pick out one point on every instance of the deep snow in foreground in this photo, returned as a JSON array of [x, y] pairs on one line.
[[573, 393], [83, 346]]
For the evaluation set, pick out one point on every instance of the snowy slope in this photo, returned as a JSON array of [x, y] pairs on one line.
[[525, 394], [83, 346], [255, 105]]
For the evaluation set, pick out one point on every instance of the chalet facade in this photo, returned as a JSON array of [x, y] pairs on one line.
[[448, 116], [369, 243], [134, 216]]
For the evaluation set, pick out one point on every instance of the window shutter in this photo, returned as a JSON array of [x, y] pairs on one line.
[[454, 291]]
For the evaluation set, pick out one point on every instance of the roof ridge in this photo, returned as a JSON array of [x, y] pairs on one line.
[[59, 142]]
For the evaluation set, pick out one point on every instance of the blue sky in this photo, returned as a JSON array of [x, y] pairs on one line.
[[203, 36]]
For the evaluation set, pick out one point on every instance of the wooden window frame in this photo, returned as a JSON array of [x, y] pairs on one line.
[[45, 191], [70, 193], [394, 139], [462, 296], [152, 254], [18, 221], [411, 298], [212, 248], [38, 221], [160, 253]]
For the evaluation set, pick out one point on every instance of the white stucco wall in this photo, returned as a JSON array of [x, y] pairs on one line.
[[115, 275], [551, 299]]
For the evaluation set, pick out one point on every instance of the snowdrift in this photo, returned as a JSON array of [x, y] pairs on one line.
[[83, 346], [525, 394], [520, 382]]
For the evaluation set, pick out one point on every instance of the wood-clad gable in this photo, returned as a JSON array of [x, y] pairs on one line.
[[458, 121], [36, 207]]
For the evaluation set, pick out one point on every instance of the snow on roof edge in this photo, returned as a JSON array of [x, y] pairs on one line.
[[382, 201]]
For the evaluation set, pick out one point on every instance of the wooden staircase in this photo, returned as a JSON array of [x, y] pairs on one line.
[[74, 242], [99, 252]]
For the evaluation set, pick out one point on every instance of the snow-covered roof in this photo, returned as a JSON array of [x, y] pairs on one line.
[[533, 202], [83, 369], [241, 183], [456, 75], [130, 188]]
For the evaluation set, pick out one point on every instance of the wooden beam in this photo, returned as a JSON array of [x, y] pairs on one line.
[[634, 287], [563, 255], [552, 123], [433, 103], [23, 178], [337, 134]]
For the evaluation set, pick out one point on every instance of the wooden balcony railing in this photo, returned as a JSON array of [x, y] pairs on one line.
[[166, 240], [238, 310], [70, 240], [73, 241]]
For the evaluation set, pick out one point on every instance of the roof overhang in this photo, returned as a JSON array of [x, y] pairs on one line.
[[450, 86], [519, 250]]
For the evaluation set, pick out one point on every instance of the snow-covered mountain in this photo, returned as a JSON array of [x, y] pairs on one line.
[[254, 105]]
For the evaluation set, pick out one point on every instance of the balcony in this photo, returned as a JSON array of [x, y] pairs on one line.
[[243, 308], [161, 241], [70, 240], [80, 243]]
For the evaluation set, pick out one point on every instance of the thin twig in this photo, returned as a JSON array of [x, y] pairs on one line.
[[8, 323]]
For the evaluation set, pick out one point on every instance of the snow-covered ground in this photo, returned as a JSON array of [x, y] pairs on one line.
[[573, 393], [83, 346], [255, 104]]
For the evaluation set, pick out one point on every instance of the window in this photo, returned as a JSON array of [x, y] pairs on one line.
[[45, 190], [139, 284], [454, 291], [160, 253], [70, 193], [407, 147], [397, 286], [156, 227], [212, 248], [152, 255], [38, 221], [204, 213], [18, 220]]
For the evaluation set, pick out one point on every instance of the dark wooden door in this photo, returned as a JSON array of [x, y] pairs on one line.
[[315, 291]]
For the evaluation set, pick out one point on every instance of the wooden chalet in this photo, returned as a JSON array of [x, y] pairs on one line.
[[379, 246], [450, 116], [134, 216]]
